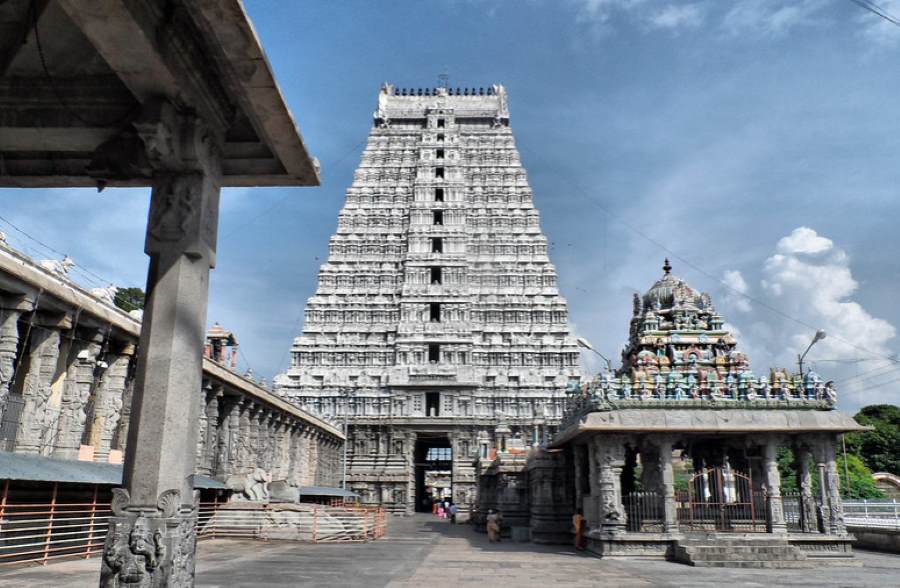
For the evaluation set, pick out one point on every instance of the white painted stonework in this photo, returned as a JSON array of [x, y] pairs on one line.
[[505, 353]]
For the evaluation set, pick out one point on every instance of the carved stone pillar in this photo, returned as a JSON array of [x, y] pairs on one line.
[[254, 455], [229, 438], [202, 427], [37, 419], [804, 482], [76, 392], [240, 450], [156, 509], [9, 341], [830, 481], [120, 441], [108, 403], [212, 430], [610, 458], [774, 506], [667, 485]]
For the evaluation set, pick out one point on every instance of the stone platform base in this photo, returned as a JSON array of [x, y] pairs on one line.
[[751, 550], [826, 550], [631, 545]]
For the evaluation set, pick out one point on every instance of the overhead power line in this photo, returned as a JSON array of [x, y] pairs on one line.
[[878, 11], [677, 256]]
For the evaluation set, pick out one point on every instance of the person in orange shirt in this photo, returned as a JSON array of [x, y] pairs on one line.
[[579, 522]]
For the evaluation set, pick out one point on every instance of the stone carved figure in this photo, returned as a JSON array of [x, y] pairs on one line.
[[253, 486], [60, 268], [107, 294], [141, 538]]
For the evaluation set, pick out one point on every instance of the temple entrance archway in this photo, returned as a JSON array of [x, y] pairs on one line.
[[433, 463]]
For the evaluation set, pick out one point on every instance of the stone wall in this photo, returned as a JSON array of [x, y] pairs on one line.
[[66, 383]]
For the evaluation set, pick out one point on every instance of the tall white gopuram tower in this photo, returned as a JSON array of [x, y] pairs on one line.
[[437, 327]]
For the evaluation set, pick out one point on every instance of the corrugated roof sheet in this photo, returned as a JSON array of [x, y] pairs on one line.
[[325, 491], [36, 468]]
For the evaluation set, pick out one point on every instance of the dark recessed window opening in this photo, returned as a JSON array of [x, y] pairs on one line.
[[438, 217], [438, 194], [433, 408], [440, 154], [439, 172], [440, 137], [435, 312], [440, 123], [434, 352], [437, 245], [436, 277]]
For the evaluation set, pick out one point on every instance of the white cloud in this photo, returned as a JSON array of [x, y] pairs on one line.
[[804, 240], [736, 288], [771, 18], [879, 30], [678, 16], [651, 14], [813, 283]]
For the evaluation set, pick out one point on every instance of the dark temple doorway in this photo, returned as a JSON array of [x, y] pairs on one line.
[[433, 460]]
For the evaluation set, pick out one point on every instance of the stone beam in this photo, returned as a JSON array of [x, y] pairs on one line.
[[155, 51], [16, 23]]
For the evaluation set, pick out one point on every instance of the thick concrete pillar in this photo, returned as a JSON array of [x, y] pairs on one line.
[[155, 513], [37, 418], [667, 485], [78, 387], [774, 506], [108, 402]]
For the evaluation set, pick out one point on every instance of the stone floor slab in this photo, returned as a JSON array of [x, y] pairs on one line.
[[422, 551]]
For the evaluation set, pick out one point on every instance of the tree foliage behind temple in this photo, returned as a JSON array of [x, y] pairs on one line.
[[879, 449]]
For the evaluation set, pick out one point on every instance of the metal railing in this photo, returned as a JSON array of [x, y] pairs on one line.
[[296, 522], [40, 532], [882, 514], [645, 512]]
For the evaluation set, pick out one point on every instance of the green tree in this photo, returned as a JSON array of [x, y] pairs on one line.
[[861, 483], [130, 299], [880, 448]]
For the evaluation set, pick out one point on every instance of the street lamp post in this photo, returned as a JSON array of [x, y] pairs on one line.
[[582, 342], [820, 334]]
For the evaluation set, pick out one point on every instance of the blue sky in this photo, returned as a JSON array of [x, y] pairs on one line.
[[755, 142]]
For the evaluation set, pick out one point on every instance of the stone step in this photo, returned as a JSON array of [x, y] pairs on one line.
[[740, 556], [752, 564], [753, 549]]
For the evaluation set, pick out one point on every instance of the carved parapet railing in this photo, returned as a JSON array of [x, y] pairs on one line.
[[679, 390]]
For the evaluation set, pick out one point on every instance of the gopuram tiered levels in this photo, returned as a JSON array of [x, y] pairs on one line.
[[437, 329]]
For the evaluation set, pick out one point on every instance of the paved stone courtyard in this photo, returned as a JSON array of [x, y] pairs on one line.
[[423, 551]]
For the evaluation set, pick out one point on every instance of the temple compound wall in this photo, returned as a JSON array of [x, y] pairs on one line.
[[437, 322], [66, 385], [686, 401]]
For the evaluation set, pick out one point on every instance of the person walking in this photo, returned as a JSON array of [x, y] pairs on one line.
[[453, 510], [493, 526], [578, 521]]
